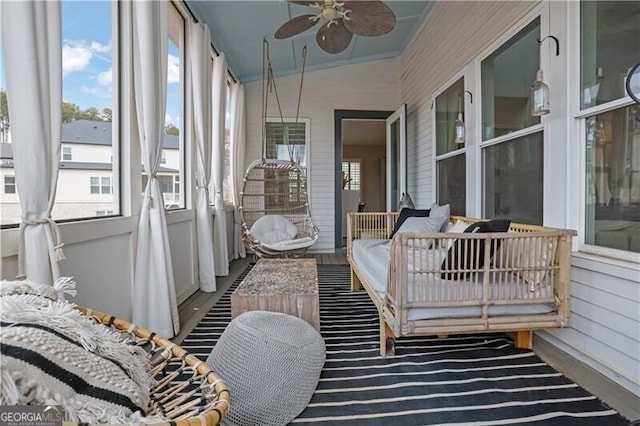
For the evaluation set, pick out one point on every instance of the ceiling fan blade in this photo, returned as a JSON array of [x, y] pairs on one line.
[[295, 26], [333, 38], [369, 18]]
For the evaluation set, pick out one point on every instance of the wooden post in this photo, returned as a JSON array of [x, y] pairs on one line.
[[524, 339], [355, 281]]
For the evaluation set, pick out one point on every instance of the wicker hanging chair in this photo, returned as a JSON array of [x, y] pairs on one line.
[[276, 190], [274, 205]]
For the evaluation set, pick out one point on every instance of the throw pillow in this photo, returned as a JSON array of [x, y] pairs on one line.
[[406, 202], [421, 225], [464, 253], [52, 354], [441, 211], [273, 228], [404, 215], [530, 258]]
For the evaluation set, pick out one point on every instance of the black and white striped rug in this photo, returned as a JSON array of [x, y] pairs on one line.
[[461, 380]]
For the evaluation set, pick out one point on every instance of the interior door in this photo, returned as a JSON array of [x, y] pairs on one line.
[[396, 157]]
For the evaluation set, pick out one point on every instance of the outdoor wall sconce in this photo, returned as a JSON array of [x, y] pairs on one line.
[[460, 130], [539, 90]]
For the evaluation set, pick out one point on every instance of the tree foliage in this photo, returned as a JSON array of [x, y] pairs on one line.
[[70, 112], [171, 129], [4, 118]]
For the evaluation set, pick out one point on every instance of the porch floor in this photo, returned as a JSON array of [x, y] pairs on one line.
[[625, 402]]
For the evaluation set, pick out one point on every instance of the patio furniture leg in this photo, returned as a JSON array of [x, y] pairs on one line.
[[387, 339], [524, 339], [355, 281]]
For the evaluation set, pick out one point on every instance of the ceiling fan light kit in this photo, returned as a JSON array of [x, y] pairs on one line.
[[340, 21]]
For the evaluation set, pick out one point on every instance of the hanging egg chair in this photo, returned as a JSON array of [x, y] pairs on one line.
[[274, 203]]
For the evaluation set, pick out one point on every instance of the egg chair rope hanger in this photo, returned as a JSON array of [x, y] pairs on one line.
[[274, 205]]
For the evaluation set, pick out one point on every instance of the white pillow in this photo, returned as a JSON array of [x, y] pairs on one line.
[[440, 211], [421, 225], [273, 228], [458, 227]]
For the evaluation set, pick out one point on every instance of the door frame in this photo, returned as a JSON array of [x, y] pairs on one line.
[[338, 116]]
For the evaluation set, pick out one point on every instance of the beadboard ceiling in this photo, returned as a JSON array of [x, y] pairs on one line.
[[238, 28]]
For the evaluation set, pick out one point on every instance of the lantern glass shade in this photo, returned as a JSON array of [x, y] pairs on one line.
[[460, 130], [539, 96]]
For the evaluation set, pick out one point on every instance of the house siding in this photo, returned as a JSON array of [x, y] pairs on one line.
[[604, 329], [364, 86]]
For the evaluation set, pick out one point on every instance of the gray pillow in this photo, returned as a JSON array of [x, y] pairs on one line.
[[421, 225]]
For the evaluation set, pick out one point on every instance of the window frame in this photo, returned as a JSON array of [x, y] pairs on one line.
[[578, 125], [69, 153], [540, 12], [6, 184], [360, 162], [468, 116]]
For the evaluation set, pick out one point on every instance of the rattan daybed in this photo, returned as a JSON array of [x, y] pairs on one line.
[[187, 391], [521, 283]]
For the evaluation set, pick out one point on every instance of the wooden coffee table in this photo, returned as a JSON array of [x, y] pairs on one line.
[[289, 286]]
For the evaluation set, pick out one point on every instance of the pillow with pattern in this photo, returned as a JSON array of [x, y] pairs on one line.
[[468, 254], [52, 354]]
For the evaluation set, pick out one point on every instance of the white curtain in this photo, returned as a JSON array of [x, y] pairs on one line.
[[199, 48], [219, 89], [238, 145], [32, 55], [154, 296]]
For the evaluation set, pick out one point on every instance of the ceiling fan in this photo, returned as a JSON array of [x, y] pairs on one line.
[[340, 21]]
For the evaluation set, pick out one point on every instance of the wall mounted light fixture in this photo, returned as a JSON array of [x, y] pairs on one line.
[[539, 90], [460, 129]]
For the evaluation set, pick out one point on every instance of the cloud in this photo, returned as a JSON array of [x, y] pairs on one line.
[[99, 92], [105, 78], [173, 120], [75, 58], [173, 69], [99, 47]]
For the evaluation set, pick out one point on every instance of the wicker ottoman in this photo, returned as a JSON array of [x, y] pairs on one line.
[[271, 363]]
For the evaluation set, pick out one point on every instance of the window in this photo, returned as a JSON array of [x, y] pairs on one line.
[[506, 83], [88, 96], [173, 151], [101, 185], [450, 156], [104, 212], [227, 189], [611, 132], [66, 153], [9, 184], [163, 158], [351, 172], [287, 140], [512, 165]]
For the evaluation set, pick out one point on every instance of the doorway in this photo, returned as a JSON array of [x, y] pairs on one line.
[[360, 150]]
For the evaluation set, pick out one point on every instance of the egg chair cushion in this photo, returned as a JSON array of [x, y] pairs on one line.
[[273, 228]]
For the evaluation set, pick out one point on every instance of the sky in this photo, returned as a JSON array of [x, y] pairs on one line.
[[87, 50]]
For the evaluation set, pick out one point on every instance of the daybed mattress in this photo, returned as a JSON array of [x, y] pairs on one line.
[[372, 258]]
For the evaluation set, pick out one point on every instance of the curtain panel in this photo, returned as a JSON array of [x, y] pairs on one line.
[[201, 69], [238, 147], [219, 89], [32, 55], [154, 295]]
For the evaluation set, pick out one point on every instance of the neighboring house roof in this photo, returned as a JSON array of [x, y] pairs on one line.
[[99, 133], [87, 132]]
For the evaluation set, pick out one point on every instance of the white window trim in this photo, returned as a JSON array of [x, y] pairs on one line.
[[360, 161], [576, 132], [540, 10], [4, 185], [469, 121], [307, 145]]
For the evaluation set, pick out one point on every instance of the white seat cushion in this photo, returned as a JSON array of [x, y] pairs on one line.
[[273, 228]]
